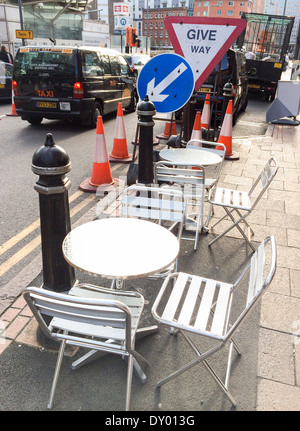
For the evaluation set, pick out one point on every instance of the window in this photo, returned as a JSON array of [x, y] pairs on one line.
[[231, 3], [242, 3], [206, 3], [205, 13], [106, 64], [92, 65], [123, 65], [219, 12], [230, 12], [115, 66], [220, 3]]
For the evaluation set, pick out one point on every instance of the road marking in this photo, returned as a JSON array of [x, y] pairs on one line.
[[28, 248], [25, 232]]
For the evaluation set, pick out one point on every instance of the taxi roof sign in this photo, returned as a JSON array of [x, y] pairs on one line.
[[203, 41], [24, 34]]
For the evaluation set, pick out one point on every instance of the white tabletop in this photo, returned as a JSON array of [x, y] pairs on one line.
[[120, 248], [190, 155]]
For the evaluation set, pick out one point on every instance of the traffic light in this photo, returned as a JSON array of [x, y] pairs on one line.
[[129, 36], [134, 38]]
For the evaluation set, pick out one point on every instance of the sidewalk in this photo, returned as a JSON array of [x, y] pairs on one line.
[[277, 359]]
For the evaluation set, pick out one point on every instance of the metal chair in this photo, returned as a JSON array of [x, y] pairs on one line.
[[206, 307], [106, 322], [191, 179], [212, 172], [164, 206], [242, 202]]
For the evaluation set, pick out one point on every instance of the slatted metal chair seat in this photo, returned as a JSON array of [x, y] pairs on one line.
[[242, 203], [92, 317], [191, 304]]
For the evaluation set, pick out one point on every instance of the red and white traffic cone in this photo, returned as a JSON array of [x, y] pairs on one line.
[[197, 132], [13, 112], [101, 172], [120, 151], [170, 128], [225, 136], [205, 117]]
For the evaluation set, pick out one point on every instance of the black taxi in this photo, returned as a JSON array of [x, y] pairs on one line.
[[72, 83]]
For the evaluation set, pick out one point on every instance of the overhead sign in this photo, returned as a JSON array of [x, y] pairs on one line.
[[121, 9], [203, 41], [168, 80], [24, 34]]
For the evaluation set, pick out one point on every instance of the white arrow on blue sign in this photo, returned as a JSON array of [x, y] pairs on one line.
[[168, 80]]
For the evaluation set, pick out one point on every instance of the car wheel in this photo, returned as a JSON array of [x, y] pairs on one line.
[[35, 121], [95, 112], [244, 105], [133, 103]]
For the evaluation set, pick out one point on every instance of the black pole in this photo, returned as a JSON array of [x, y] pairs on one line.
[[51, 163], [146, 110]]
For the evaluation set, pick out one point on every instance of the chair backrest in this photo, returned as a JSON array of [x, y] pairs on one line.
[[263, 181], [179, 173], [104, 318], [154, 203], [258, 279], [212, 171]]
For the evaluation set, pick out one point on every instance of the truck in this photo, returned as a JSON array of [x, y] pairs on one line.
[[265, 42]]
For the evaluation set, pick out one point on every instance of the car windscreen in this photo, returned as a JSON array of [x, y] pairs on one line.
[[50, 61]]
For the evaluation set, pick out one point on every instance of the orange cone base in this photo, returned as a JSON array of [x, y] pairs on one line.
[[155, 142], [13, 113], [233, 156], [119, 160], [85, 186]]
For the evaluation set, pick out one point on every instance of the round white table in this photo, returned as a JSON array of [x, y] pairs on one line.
[[120, 248], [190, 155]]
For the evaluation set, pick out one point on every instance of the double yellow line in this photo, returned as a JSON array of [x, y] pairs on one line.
[[30, 246]]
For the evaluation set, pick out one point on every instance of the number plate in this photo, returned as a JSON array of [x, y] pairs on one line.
[[204, 90], [51, 105], [254, 86], [2, 85]]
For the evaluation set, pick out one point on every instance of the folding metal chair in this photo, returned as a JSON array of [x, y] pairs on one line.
[[106, 322], [191, 179], [195, 305], [164, 206], [242, 202]]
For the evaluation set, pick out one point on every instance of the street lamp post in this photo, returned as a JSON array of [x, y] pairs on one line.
[[21, 18]]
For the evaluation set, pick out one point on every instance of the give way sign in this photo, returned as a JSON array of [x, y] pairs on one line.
[[202, 41]]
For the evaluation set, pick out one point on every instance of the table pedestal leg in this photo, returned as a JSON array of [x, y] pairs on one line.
[[94, 354]]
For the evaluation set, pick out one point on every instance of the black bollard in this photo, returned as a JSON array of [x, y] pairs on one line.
[[146, 110], [227, 95], [51, 163]]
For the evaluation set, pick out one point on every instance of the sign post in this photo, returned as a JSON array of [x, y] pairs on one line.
[[203, 41]]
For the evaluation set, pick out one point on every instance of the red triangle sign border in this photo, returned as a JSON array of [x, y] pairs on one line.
[[238, 25]]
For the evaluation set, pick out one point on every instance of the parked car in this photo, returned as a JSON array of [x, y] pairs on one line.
[[232, 69], [74, 83], [137, 61], [6, 70]]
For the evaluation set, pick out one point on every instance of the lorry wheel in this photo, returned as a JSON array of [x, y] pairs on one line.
[[35, 121]]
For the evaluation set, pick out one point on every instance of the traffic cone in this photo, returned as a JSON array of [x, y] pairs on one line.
[[120, 151], [101, 172], [169, 129], [225, 136], [13, 112], [205, 117], [196, 132]]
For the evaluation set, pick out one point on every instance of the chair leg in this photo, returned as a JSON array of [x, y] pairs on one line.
[[56, 373], [129, 381], [235, 224]]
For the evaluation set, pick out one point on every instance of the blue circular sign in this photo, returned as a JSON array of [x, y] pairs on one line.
[[168, 80]]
